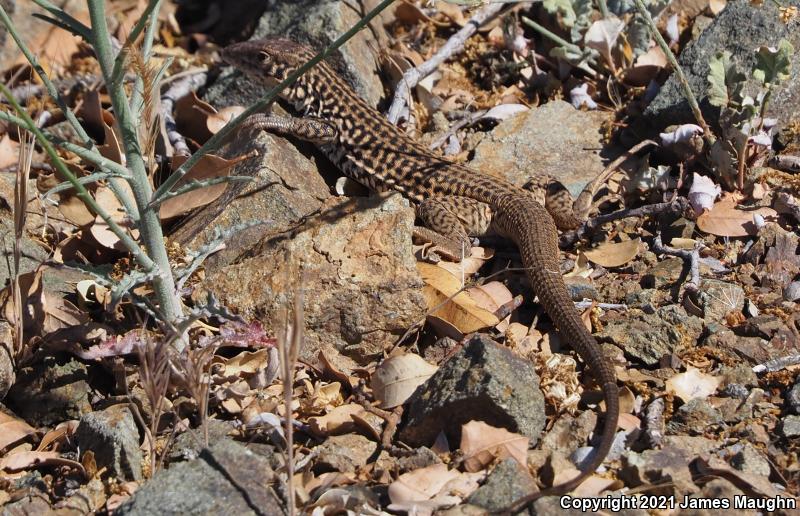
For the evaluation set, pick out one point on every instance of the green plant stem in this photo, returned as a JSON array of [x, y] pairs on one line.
[[603, 8], [215, 141], [555, 38], [708, 136], [138, 254], [149, 222]]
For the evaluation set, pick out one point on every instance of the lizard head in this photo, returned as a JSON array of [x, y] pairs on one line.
[[268, 61]]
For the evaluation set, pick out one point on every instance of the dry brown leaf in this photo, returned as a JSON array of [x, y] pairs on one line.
[[469, 265], [396, 379], [58, 435], [692, 384], [53, 46], [13, 430], [337, 421], [209, 166], [9, 151], [724, 219], [30, 459], [101, 232], [244, 364], [628, 422], [461, 311], [614, 254], [421, 484], [218, 120], [191, 117], [716, 6], [408, 12], [482, 444], [491, 296], [452, 11]]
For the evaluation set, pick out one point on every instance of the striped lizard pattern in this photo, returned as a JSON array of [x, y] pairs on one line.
[[452, 200]]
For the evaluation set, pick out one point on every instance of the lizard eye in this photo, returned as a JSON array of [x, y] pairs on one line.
[[264, 57]]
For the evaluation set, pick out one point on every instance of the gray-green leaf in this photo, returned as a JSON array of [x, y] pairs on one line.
[[725, 82], [773, 65]]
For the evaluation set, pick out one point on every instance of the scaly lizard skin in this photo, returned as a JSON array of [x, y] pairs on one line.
[[452, 200]]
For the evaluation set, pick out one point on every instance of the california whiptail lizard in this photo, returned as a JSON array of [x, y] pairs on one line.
[[452, 200]]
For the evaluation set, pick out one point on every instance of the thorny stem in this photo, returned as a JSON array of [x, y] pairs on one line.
[[215, 141], [149, 222], [687, 90]]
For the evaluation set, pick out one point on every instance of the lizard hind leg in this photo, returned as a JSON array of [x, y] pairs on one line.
[[554, 196], [450, 221]]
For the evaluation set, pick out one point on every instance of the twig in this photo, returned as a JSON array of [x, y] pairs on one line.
[[708, 136], [693, 257], [777, 364], [676, 206], [169, 98], [654, 422], [455, 44]]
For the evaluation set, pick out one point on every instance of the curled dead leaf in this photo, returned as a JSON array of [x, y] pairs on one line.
[[483, 444], [614, 254], [396, 379], [726, 220]]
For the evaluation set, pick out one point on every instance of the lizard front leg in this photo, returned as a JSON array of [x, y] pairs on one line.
[[310, 129]]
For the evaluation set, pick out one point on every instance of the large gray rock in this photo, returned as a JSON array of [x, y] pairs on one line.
[[113, 437], [51, 391], [316, 23], [483, 381], [227, 478], [740, 29], [506, 483], [554, 139]]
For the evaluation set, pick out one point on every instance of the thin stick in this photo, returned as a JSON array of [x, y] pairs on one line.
[[454, 45], [708, 136]]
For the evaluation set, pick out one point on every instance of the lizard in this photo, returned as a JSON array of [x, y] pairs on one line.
[[452, 200]]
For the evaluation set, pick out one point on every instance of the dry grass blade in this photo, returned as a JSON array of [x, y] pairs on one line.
[[154, 374], [191, 370], [26, 146], [290, 339], [148, 124]]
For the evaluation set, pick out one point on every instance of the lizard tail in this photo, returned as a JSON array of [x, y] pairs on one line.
[[529, 224]]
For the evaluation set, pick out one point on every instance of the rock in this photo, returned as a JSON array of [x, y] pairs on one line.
[[692, 444], [718, 298], [554, 139], [482, 381], [740, 29], [753, 349], [737, 380], [749, 460], [648, 337], [792, 291], [791, 426], [717, 489], [113, 437], [793, 398], [569, 433], [189, 444], [285, 190], [51, 391], [668, 466], [227, 478], [316, 23], [694, 418], [507, 482], [345, 453], [360, 278], [665, 273]]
